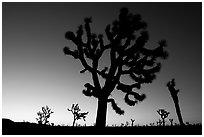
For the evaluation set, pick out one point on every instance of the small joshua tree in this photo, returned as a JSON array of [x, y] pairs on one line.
[[132, 122], [174, 94], [163, 114], [76, 113], [44, 115], [171, 121]]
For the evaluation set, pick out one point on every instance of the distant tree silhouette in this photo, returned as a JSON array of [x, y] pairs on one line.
[[171, 121], [174, 94], [163, 114], [128, 57], [44, 115], [77, 114], [132, 122]]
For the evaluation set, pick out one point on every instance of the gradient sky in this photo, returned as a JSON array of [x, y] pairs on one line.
[[36, 73]]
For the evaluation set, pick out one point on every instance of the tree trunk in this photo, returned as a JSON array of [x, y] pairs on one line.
[[163, 121], [178, 111], [74, 121], [101, 113]]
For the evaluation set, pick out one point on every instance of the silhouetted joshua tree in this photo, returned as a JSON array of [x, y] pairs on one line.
[[132, 122], [163, 114], [174, 94], [77, 114], [128, 57], [44, 115], [171, 121]]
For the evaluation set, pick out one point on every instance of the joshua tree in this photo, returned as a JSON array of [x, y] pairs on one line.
[[171, 121], [77, 114], [128, 57], [132, 122], [163, 114], [174, 94], [44, 115]]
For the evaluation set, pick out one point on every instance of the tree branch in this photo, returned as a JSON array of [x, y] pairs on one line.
[[128, 90], [74, 53], [90, 91], [137, 97], [115, 107], [158, 52]]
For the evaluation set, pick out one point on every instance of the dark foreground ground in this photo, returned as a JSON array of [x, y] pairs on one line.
[[25, 128]]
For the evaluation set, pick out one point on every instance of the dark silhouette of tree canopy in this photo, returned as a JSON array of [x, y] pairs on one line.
[[163, 114], [128, 57], [77, 114], [174, 94], [44, 115]]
